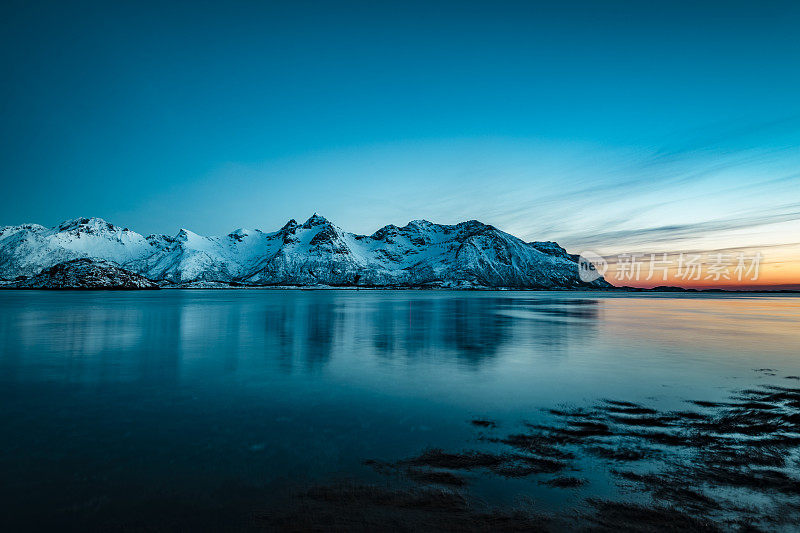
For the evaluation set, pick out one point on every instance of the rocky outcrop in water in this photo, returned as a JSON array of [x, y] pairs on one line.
[[85, 274]]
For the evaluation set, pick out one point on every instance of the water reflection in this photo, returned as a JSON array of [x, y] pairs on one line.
[[170, 336], [278, 324], [102, 393], [474, 330], [97, 337], [559, 322], [320, 328]]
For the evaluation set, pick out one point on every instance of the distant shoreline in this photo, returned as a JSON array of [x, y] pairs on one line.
[[615, 290]]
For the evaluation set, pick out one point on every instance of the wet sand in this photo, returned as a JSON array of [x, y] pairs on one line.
[[715, 466]]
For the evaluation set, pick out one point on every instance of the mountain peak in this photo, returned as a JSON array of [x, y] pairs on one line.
[[289, 227], [184, 235], [315, 220], [421, 222], [472, 223], [385, 231], [86, 224]]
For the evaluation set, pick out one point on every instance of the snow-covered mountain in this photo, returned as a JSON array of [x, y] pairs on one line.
[[317, 252]]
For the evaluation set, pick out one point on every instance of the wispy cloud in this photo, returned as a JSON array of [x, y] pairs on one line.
[[678, 232]]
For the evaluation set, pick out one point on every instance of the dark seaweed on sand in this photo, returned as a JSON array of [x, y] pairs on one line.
[[749, 443], [564, 482], [483, 423], [698, 467], [503, 464]]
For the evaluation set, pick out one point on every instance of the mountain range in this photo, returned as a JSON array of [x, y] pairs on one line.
[[315, 253]]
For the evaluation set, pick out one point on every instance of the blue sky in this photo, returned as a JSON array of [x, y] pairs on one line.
[[599, 124]]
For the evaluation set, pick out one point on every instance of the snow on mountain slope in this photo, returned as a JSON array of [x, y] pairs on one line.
[[27, 249], [186, 257], [317, 252]]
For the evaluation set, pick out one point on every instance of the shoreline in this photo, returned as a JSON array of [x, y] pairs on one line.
[[615, 290]]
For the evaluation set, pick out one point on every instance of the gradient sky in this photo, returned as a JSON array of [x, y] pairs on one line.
[[608, 126]]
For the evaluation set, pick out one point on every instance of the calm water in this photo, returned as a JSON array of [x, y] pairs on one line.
[[195, 408]]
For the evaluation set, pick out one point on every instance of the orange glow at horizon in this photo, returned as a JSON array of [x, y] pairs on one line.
[[775, 270]]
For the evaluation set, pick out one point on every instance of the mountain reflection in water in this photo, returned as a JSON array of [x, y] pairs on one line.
[[193, 408]]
